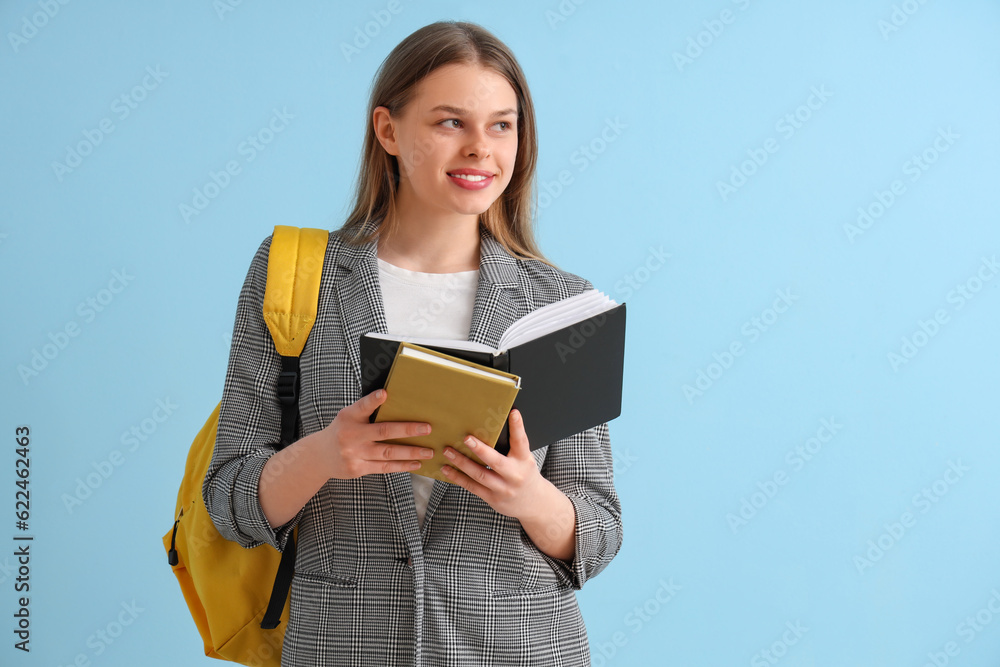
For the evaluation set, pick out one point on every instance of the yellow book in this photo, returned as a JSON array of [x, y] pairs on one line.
[[456, 397]]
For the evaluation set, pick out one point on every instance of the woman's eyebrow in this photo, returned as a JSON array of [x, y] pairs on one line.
[[462, 112]]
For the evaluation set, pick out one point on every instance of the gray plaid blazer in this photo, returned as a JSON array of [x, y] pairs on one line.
[[371, 586]]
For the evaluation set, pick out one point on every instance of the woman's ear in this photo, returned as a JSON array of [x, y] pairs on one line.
[[385, 130]]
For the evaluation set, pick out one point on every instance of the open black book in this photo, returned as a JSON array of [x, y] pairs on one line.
[[569, 355]]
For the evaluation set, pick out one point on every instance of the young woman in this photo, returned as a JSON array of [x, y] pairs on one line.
[[394, 568]]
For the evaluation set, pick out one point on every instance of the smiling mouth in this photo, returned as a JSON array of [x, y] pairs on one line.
[[471, 179], [470, 176]]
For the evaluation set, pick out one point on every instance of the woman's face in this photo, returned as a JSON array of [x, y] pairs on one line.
[[455, 141]]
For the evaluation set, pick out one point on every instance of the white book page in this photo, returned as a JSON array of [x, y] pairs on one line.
[[535, 324], [453, 343], [554, 311], [555, 316], [524, 335]]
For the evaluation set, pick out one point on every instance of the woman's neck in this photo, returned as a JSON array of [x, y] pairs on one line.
[[443, 246]]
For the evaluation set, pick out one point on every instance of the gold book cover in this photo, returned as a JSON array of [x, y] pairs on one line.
[[456, 397]]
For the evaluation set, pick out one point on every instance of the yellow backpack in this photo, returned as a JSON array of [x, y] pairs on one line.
[[240, 614]]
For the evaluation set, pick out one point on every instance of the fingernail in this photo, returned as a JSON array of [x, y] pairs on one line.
[[415, 465], [450, 454], [471, 442], [446, 470], [380, 393], [426, 453], [425, 429]]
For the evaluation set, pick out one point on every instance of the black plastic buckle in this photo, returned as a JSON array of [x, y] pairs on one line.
[[288, 387]]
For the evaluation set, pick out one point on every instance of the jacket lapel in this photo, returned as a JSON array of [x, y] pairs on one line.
[[359, 298], [496, 306]]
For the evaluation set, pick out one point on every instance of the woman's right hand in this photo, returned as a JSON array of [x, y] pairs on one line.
[[352, 447], [348, 447]]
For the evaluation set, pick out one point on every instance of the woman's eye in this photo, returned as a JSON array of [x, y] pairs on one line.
[[450, 120], [505, 124]]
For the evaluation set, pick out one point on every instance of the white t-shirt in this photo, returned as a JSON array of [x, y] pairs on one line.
[[429, 305]]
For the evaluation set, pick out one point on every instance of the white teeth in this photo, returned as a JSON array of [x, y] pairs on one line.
[[470, 177]]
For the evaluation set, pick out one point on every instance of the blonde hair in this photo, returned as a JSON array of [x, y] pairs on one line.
[[510, 218]]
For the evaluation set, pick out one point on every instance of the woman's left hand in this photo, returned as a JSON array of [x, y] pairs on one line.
[[512, 485]]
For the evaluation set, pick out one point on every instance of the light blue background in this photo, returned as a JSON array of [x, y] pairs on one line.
[[685, 462]]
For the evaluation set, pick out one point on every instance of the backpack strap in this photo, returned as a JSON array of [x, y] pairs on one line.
[[294, 268], [282, 584], [291, 298]]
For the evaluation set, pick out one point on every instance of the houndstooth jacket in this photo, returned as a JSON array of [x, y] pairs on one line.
[[371, 586]]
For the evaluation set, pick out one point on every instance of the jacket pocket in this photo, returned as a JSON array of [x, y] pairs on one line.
[[328, 579], [540, 591]]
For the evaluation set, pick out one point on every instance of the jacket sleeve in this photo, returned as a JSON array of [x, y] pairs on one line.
[[581, 467], [249, 422]]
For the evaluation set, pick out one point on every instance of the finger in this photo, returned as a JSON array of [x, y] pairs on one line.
[[367, 404], [380, 451], [519, 446], [474, 471], [380, 431], [460, 478], [486, 454]]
